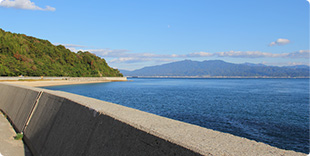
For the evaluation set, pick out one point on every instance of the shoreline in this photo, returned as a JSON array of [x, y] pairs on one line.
[[46, 83], [220, 77], [57, 81]]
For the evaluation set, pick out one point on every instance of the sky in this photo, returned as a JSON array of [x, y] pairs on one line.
[[137, 33]]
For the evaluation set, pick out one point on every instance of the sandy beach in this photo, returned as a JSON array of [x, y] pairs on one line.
[[50, 82], [57, 81]]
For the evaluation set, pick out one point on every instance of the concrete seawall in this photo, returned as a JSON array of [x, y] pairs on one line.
[[60, 123]]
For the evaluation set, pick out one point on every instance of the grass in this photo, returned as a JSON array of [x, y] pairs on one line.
[[19, 136]]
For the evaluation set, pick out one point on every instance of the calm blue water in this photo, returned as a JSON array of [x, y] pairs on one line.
[[273, 111]]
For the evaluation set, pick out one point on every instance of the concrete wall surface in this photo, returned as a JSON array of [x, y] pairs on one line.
[[67, 124], [17, 103]]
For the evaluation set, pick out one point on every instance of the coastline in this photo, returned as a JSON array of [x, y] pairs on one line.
[[222, 77], [46, 83], [57, 81]]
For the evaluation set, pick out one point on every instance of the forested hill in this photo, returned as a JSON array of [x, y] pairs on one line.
[[29, 56]]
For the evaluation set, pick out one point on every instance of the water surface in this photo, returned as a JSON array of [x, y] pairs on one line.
[[273, 111]]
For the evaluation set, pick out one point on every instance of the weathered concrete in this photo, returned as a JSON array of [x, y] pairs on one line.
[[17, 103], [69, 124], [62, 127]]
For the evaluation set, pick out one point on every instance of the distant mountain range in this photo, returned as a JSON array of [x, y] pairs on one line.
[[218, 68]]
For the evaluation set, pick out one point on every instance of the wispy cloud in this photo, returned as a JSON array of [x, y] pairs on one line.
[[248, 54], [129, 60], [110, 52], [286, 63], [296, 63], [253, 54], [139, 59], [125, 57], [299, 54], [24, 4], [258, 54], [280, 41], [124, 53], [72, 45], [200, 54], [100, 52]]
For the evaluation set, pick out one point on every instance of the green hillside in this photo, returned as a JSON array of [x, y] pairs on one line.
[[29, 56]]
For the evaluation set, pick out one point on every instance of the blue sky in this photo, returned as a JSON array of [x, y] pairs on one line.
[[137, 33]]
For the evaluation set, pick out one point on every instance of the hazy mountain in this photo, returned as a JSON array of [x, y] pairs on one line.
[[252, 64], [218, 68], [297, 66]]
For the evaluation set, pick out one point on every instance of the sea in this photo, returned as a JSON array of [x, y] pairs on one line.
[[273, 111]]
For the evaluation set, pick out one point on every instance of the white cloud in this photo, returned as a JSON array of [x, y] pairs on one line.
[[248, 54], [280, 41], [109, 52], [164, 60], [122, 56], [71, 45], [285, 63], [138, 59], [200, 54], [124, 53], [296, 63], [126, 56], [251, 54], [49, 8], [258, 54], [24, 4], [299, 54], [129, 60]]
